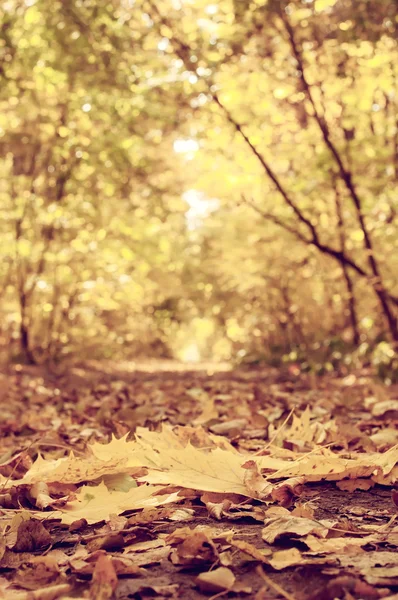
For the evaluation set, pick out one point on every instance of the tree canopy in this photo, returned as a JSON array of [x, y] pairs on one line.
[[195, 178]]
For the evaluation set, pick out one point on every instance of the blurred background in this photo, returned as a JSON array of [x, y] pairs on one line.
[[189, 179]]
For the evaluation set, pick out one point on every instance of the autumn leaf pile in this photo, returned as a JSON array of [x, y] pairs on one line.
[[187, 485]]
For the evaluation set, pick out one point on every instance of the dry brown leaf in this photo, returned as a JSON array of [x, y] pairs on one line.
[[150, 556], [381, 408], [286, 491], [340, 544], [234, 426], [304, 510], [216, 581], [325, 465], [209, 411], [350, 485], [191, 546], [378, 568], [39, 572], [3, 545], [48, 593], [385, 438], [250, 550], [342, 586], [285, 558], [292, 526], [31, 535], [104, 580]]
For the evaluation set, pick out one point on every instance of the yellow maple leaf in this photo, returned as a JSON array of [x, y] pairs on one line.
[[170, 459], [97, 503], [214, 471], [325, 465], [72, 469]]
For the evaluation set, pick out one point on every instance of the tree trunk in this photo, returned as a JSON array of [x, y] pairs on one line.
[[25, 344], [24, 333], [352, 306]]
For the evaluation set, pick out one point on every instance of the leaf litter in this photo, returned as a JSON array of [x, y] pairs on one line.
[[251, 484]]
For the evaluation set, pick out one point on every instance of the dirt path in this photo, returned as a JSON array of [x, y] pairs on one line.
[[253, 411]]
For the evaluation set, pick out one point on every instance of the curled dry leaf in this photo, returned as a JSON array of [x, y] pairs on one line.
[[292, 526], [325, 465], [286, 491], [385, 438], [40, 494], [196, 548], [304, 510], [31, 535], [216, 581]]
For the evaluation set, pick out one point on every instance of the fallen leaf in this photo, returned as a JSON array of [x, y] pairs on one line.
[[381, 408], [97, 503], [48, 593], [350, 485], [285, 558], [104, 580], [216, 581], [41, 571], [31, 535], [194, 548], [209, 411], [291, 526], [250, 550], [215, 471], [3, 545]]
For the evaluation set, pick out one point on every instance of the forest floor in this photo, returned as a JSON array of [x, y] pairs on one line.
[[266, 483]]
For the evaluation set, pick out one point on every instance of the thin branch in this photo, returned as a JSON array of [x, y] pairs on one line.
[[376, 280], [270, 217], [183, 51], [270, 173], [273, 585], [338, 255]]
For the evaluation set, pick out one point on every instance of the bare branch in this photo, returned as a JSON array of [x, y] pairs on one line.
[[338, 255]]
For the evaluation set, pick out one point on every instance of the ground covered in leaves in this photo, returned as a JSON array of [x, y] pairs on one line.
[[155, 481]]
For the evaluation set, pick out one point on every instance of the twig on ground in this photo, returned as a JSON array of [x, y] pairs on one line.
[[219, 594], [273, 585], [277, 432]]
